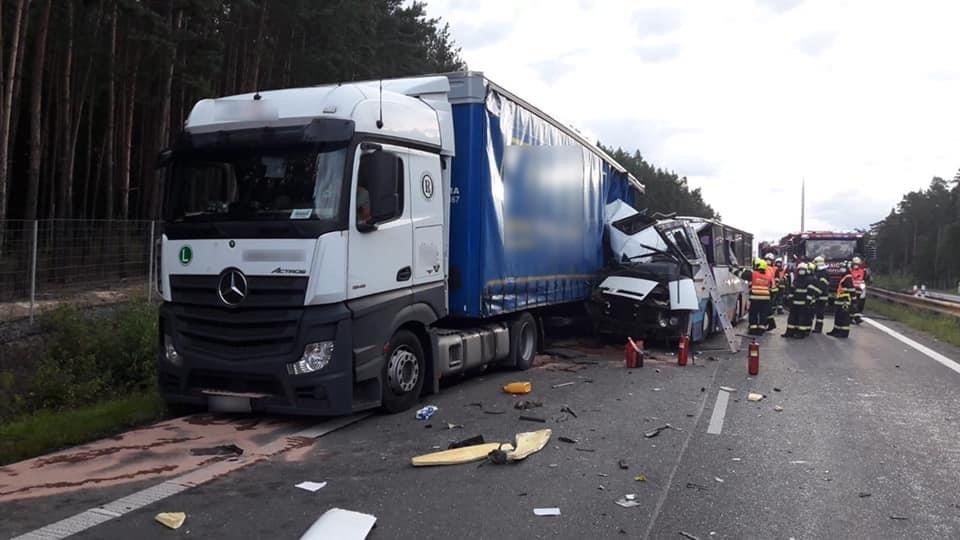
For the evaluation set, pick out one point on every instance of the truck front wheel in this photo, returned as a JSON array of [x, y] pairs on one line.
[[404, 369], [523, 341]]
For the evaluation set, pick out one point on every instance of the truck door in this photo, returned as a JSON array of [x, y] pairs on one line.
[[381, 228], [426, 205]]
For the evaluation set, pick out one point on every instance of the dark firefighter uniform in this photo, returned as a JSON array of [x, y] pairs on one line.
[[780, 286], [759, 297], [841, 318], [857, 301], [823, 296], [801, 298], [774, 294]]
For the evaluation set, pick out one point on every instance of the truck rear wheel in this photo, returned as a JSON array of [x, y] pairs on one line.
[[404, 369], [523, 341]]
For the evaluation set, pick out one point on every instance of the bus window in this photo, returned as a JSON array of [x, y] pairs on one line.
[[719, 247], [683, 243], [706, 240]]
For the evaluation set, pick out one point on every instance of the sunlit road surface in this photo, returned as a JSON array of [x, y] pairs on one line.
[[867, 445]]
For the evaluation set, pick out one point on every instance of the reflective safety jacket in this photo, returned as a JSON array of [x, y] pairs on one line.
[[760, 286], [822, 285], [845, 290], [772, 276], [859, 276], [804, 291]]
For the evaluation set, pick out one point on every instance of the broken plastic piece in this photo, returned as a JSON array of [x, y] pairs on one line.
[[520, 387], [311, 486], [568, 410], [171, 520], [640, 477], [341, 524], [752, 396], [778, 408], [567, 440], [533, 419], [426, 412], [623, 464], [546, 511], [653, 433], [525, 404], [628, 501], [454, 426], [688, 536], [457, 456], [472, 441], [528, 443], [561, 385], [728, 389]]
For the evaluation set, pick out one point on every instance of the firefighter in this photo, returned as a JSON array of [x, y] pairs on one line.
[[798, 325], [822, 286], [857, 301], [774, 291], [841, 318], [759, 296], [781, 286]]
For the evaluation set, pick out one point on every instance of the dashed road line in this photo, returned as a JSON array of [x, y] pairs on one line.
[[719, 412], [948, 363]]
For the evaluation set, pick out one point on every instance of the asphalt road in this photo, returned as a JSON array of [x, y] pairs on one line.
[[866, 446]]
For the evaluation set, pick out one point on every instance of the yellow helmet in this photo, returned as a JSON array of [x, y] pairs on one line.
[[761, 265], [819, 259]]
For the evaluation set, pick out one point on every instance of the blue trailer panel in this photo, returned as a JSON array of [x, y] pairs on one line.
[[527, 201]]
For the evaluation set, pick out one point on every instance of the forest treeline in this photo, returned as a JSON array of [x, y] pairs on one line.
[[92, 90], [920, 239]]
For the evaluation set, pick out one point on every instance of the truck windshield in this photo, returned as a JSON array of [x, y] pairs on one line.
[[299, 182], [831, 250]]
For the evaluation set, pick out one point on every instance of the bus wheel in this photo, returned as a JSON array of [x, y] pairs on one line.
[[523, 341], [404, 369]]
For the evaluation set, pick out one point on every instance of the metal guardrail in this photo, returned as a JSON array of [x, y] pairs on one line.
[[944, 297], [951, 309]]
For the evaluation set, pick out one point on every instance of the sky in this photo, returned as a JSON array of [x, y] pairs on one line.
[[743, 97]]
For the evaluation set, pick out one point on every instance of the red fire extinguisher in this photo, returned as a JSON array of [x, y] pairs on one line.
[[633, 353], [683, 350], [753, 358]]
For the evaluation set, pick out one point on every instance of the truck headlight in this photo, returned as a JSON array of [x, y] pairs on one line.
[[170, 352], [316, 356]]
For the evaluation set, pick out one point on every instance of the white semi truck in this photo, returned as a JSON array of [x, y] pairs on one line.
[[337, 248]]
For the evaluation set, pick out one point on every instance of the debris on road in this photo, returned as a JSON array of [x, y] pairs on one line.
[[753, 396], [311, 486], [728, 389], [799, 462], [736, 459], [654, 432], [529, 443], [623, 465], [585, 449], [568, 410], [775, 389], [546, 511], [688, 536], [472, 441], [525, 404], [899, 518], [567, 440], [533, 419], [341, 524], [454, 426], [778, 408], [222, 450], [628, 501], [491, 411], [561, 385], [171, 520], [478, 404], [698, 487], [864, 494], [640, 477], [603, 475], [520, 387], [718, 479], [426, 412], [586, 361], [456, 456]]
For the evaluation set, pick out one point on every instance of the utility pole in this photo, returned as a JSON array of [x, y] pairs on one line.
[[803, 203]]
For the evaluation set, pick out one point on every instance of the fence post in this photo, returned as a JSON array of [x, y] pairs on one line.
[[33, 271], [150, 263]]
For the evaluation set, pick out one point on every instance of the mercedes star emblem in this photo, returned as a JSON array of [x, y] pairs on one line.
[[232, 287]]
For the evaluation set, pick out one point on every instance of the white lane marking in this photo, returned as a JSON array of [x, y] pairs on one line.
[[112, 510], [719, 411], [922, 348]]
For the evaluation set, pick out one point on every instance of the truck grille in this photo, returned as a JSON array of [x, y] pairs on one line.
[[262, 291], [239, 334]]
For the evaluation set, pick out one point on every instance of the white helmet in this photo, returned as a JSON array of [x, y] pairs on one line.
[[769, 257], [857, 260]]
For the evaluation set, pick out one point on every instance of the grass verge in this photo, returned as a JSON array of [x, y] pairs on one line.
[[44, 431], [946, 329]]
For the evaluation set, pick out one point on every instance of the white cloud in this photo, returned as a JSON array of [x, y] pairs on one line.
[[744, 97]]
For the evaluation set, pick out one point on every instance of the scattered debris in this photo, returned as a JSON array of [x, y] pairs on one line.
[[753, 396], [899, 518], [489, 411], [623, 464], [688, 536], [426, 412], [775, 389], [568, 410], [640, 477], [898, 367], [567, 440], [533, 419], [340, 523], [222, 450], [553, 465], [528, 443], [519, 387], [571, 369], [585, 449], [657, 370], [525, 404], [546, 511], [736, 459], [698, 487], [703, 389], [864, 494], [586, 361], [171, 520], [657, 389], [728, 389], [653, 433], [628, 501], [601, 488], [561, 385], [478, 404], [778, 408], [428, 426], [311, 486], [799, 462], [718, 479], [472, 441], [690, 415], [454, 426], [457, 456]]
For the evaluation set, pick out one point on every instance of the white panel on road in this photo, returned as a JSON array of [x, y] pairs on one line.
[[719, 411], [922, 348], [67, 527]]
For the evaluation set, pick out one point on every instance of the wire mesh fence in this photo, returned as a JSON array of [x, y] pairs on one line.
[[43, 262]]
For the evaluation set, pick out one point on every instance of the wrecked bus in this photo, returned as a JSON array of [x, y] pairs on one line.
[[657, 288]]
